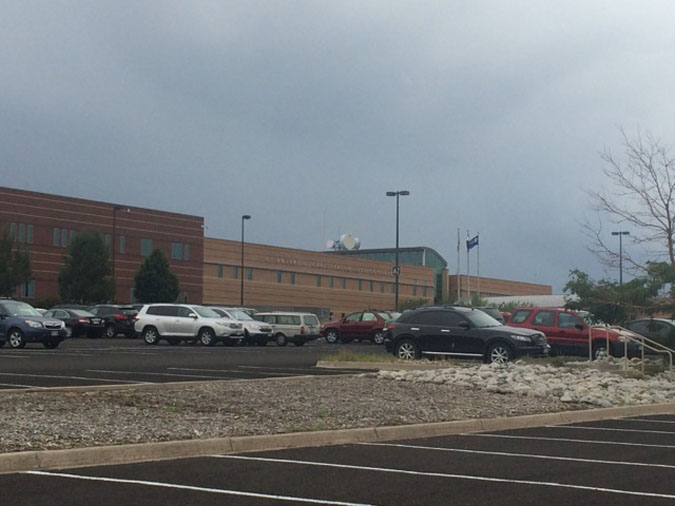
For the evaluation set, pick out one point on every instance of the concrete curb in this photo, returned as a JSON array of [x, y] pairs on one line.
[[146, 452], [379, 366]]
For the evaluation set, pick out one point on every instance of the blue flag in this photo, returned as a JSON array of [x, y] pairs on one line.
[[470, 243]]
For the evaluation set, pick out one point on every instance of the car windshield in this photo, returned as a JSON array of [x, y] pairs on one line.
[[20, 309], [481, 320], [205, 312], [240, 315]]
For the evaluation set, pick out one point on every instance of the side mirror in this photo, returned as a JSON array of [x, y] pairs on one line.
[[464, 325], [192, 315]]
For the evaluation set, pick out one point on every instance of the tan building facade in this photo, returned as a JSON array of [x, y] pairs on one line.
[[491, 287], [293, 278]]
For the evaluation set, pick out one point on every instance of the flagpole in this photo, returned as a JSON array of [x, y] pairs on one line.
[[459, 279], [478, 263], [468, 271]]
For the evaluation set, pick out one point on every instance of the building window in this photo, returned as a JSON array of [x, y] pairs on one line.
[[360, 284], [371, 285], [22, 232], [132, 295], [292, 278], [123, 244], [146, 247], [12, 231], [344, 283], [235, 272], [27, 289], [249, 274], [278, 276], [71, 236], [414, 289], [186, 252], [108, 241], [220, 271], [331, 282], [318, 280], [381, 287], [64, 237], [176, 250], [57, 237], [29, 235]]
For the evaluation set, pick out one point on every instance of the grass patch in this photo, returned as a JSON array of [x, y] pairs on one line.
[[354, 356]]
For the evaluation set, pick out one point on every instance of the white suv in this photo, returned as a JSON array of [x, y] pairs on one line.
[[297, 328], [255, 332], [178, 322]]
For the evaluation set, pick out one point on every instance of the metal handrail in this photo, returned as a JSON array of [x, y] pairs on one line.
[[642, 340]]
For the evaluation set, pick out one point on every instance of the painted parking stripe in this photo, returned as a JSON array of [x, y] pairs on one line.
[[568, 440], [53, 376], [144, 373], [469, 477], [191, 488], [520, 455], [238, 371], [610, 429], [648, 420], [16, 385]]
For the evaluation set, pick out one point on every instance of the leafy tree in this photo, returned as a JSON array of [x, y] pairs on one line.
[[412, 304], [154, 281], [84, 277], [14, 265]]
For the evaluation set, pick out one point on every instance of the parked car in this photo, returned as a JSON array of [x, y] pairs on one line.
[[298, 328], [78, 322], [21, 323], [178, 322], [568, 333], [255, 332], [660, 330], [117, 319], [460, 332], [364, 325]]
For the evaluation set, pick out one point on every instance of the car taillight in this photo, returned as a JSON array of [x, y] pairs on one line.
[[83, 320], [120, 316], [302, 329], [391, 326]]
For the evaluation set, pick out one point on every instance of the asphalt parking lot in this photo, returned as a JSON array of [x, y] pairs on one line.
[[627, 461], [85, 362]]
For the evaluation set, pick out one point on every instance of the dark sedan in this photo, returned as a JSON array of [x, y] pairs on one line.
[[78, 322], [460, 332]]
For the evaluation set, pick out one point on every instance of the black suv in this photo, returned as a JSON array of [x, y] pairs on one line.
[[460, 332], [118, 319]]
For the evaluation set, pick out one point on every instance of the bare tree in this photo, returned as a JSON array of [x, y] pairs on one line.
[[639, 196]]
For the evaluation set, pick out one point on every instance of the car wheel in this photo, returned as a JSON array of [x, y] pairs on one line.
[[150, 335], [16, 339], [110, 330], [332, 336], [69, 331], [51, 343], [281, 339], [599, 351], [207, 337], [378, 337], [174, 341], [499, 353], [407, 350]]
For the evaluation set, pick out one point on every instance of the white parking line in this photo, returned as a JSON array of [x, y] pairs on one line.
[[230, 370], [645, 420], [14, 385], [53, 376], [450, 475], [521, 455], [191, 488], [610, 429], [568, 440], [143, 373], [3, 355]]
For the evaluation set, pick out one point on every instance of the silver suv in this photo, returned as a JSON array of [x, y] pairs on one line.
[[297, 328], [255, 332], [178, 322]]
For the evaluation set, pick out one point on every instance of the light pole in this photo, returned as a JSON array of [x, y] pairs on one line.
[[112, 246], [397, 267], [620, 234], [241, 274]]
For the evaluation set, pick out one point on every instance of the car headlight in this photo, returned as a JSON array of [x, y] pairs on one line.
[[34, 324], [524, 339]]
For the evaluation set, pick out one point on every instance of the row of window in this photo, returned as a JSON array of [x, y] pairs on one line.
[[21, 232], [327, 281]]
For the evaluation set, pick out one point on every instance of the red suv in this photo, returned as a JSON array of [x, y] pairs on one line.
[[567, 332], [361, 325]]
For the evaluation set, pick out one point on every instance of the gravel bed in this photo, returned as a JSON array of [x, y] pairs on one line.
[[57, 420]]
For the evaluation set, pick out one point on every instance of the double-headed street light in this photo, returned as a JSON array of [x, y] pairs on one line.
[[620, 234], [397, 267], [241, 274]]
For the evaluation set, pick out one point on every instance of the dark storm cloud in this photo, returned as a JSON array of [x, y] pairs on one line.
[[304, 114]]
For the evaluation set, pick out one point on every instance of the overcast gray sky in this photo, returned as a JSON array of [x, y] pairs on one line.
[[304, 113]]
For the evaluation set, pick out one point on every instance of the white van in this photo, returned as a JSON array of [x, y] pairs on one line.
[[298, 328]]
